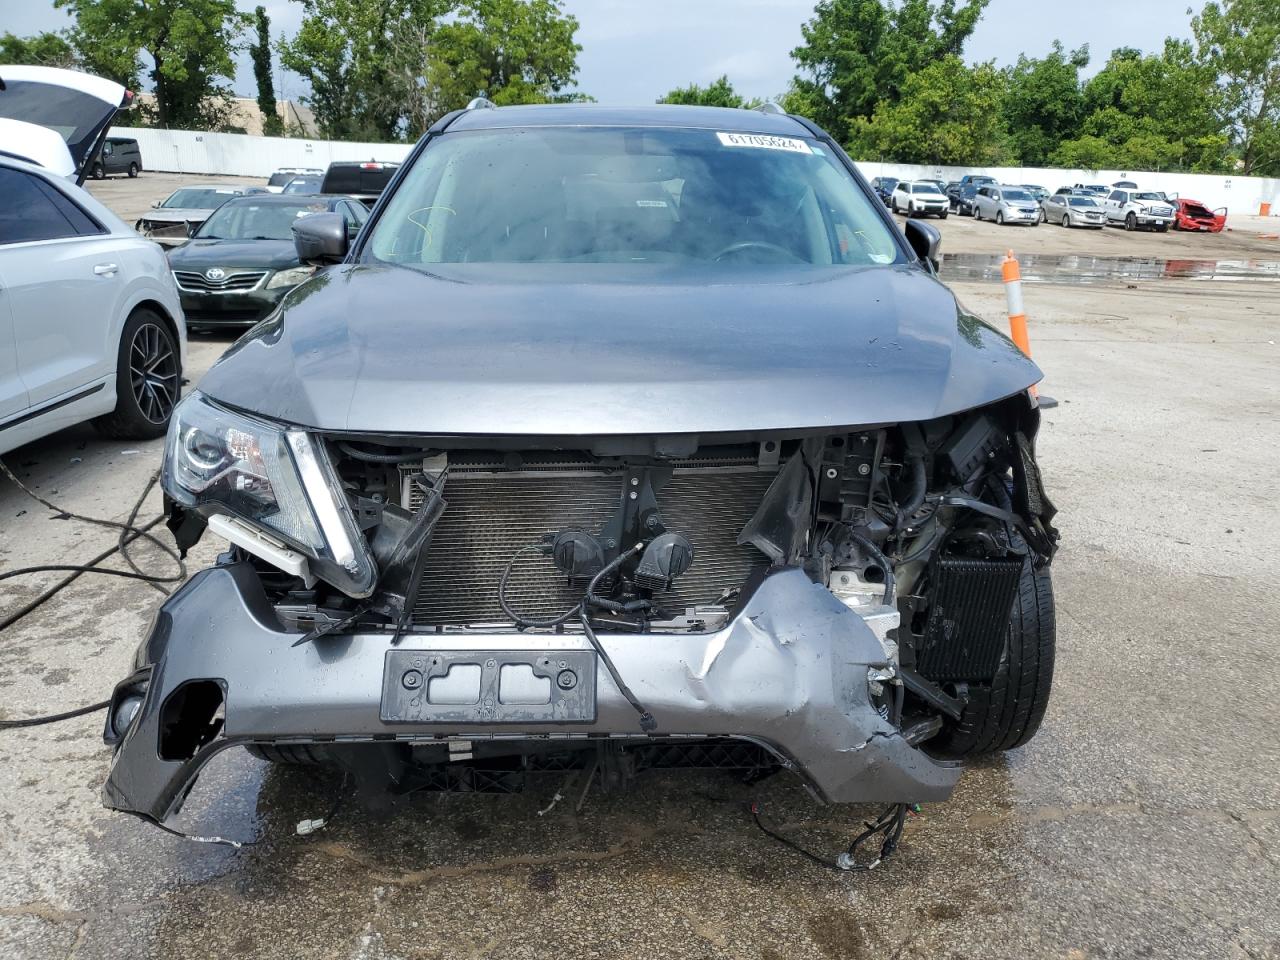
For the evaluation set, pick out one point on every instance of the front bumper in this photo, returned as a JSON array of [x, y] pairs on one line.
[[789, 673], [230, 309]]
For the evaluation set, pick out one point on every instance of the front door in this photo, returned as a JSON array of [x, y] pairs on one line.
[[61, 286]]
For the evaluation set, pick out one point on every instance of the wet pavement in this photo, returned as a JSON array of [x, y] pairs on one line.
[[1143, 821]]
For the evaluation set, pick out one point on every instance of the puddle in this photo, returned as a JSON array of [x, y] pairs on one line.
[[1073, 269]]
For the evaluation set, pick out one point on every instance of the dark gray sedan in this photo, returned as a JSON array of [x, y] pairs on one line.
[[1072, 210]]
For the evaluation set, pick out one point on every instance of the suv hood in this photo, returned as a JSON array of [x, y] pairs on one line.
[[601, 349], [78, 107]]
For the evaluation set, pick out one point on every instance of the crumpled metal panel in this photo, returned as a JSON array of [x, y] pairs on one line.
[[789, 672]]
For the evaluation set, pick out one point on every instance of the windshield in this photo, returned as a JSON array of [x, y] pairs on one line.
[[1015, 194], [280, 179], [1081, 201], [302, 185], [619, 195], [1148, 196], [199, 198], [926, 188], [247, 220]]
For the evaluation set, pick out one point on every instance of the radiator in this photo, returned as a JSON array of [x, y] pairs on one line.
[[493, 513], [969, 619]]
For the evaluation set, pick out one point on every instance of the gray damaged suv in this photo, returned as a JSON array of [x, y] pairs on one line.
[[618, 438]]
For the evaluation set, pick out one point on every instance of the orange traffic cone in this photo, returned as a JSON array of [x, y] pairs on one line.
[[1012, 275]]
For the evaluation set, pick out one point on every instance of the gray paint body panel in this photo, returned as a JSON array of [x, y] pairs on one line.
[[790, 672], [603, 349]]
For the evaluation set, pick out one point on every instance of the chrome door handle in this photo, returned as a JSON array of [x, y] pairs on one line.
[[105, 269]]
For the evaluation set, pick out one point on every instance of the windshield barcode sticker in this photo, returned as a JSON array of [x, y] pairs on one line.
[[760, 142]]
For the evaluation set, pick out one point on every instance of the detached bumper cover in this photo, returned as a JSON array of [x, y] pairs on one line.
[[790, 672]]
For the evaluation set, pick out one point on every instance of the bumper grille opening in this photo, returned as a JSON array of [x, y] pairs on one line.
[[492, 514]]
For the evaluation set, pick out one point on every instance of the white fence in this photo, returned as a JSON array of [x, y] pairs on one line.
[[1241, 195], [234, 154]]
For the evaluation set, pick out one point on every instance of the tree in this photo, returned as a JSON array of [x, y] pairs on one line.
[[1239, 40], [260, 54], [1155, 112], [47, 49], [365, 62], [190, 42], [718, 93], [511, 51], [1043, 103], [857, 53], [948, 113]]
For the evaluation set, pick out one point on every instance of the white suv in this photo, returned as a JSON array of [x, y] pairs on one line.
[[1139, 209], [91, 327], [919, 198]]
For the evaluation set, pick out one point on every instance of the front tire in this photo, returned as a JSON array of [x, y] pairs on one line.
[[1000, 218], [97, 173], [133, 170], [1007, 713], [148, 380], [1131, 222], [942, 215], [1066, 220]]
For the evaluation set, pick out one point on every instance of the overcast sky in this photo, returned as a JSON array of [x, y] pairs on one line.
[[636, 50]]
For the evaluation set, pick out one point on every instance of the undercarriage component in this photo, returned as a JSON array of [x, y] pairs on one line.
[[968, 619]]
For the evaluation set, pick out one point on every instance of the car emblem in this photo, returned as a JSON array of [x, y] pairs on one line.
[[215, 273]]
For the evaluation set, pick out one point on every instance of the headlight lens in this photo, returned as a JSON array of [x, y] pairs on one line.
[[218, 461], [289, 278]]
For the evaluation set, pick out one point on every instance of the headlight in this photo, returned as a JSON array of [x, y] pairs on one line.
[[289, 278], [217, 461]]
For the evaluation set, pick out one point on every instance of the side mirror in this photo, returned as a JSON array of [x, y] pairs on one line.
[[925, 240], [320, 238]]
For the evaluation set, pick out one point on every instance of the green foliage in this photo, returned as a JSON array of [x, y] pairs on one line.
[[384, 69], [47, 49], [190, 42], [260, 54], [718, 93], [858, 53], [948, 113], [1238, 41], [1043, 103], [1152, 113], [511, 51]]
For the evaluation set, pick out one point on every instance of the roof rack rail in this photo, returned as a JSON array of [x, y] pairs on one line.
[[770, 107], [482, 103]]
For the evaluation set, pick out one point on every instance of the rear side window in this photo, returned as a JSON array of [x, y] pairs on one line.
[[354, 178], [33, 210]]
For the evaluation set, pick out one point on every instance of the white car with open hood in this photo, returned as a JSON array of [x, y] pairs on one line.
[[91, 327]]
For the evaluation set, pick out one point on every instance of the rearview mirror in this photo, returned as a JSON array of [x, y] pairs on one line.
[[320, 238], [925, 240]]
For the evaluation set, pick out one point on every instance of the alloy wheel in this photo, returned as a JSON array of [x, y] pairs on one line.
[[153, 372], [1066, 220]]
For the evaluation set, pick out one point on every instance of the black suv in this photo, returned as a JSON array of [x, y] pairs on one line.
[[363, 180], [118, 155], [617, 439]]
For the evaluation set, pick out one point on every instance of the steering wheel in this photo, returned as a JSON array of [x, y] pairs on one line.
[[733, 249]]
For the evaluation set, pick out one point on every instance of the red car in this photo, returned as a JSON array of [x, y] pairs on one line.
[[1194, 215]]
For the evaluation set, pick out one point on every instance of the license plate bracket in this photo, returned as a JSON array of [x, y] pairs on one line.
[[489, 686]]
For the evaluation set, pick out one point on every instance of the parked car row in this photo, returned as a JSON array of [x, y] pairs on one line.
[[1091, 205]]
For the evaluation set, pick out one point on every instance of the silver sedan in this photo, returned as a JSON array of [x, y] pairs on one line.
[[1072, 210]]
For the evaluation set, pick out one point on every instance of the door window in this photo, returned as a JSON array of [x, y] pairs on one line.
[[33, 210]]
